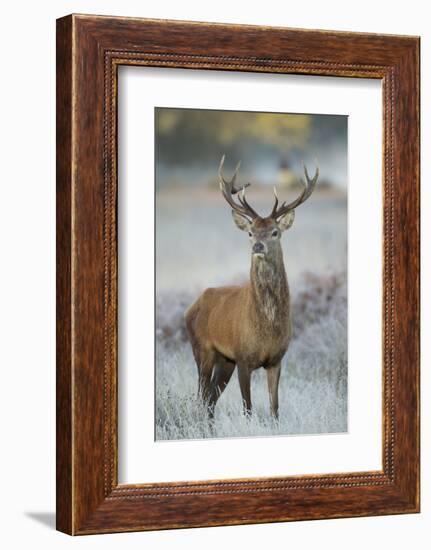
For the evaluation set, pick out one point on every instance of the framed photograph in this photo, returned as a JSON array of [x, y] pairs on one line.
[[237, 274]]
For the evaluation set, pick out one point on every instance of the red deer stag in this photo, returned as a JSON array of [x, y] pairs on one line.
[[247, 326]]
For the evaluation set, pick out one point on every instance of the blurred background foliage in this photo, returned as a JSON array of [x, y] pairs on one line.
[[272, 146]]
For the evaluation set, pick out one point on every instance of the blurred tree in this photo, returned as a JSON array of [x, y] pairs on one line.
[[193, 136]]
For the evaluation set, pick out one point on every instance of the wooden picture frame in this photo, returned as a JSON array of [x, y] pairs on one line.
[[89, 51]]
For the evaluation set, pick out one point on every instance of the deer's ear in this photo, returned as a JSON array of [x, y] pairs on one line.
[[286, 221], [241, 222]]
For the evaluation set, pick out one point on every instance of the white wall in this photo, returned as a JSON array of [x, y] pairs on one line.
[[27, 119]]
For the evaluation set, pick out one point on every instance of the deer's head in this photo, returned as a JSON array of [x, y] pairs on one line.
[[264, 232]]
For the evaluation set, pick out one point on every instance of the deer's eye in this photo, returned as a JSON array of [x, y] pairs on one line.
[[250, 234], [275, 233]]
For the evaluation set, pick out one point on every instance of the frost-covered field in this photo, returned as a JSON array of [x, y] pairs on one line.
[[198, 246]]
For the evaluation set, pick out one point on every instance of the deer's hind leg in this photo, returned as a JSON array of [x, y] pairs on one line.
[[205, 369], [222, 373], [203, 357]]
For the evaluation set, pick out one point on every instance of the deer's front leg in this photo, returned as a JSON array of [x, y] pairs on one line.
[[273, 378], [244, 374]]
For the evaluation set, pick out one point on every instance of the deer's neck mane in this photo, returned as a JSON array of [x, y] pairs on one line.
[[269, 289]]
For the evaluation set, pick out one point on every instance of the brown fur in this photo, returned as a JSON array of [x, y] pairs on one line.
[[247, 326]]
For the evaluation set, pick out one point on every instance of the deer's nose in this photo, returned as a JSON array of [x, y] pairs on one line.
[[258, 248]]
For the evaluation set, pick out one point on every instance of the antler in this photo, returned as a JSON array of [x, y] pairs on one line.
[[228, 189], [309, 186]]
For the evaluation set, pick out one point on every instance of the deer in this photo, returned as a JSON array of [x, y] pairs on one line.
[[247, 326]]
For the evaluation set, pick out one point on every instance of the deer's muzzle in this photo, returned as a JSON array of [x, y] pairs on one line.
[[258, 248]]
